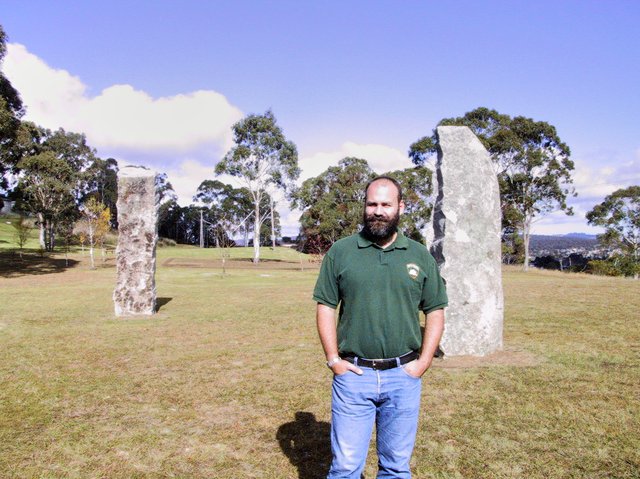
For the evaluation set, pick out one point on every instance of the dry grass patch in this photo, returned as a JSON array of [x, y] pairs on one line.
[[228, 381]]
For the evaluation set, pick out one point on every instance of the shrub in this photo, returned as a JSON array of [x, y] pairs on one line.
[[166, 242], [616, 265]]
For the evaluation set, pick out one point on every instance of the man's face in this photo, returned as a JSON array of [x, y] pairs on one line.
[[382, 210]]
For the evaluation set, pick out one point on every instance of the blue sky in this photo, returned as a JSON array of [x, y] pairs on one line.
[[160, 83]]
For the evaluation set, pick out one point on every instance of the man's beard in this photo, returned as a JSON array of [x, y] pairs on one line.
[[378, 228]]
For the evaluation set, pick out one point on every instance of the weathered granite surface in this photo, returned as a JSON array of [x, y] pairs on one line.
[[135, 292], [466, 243]]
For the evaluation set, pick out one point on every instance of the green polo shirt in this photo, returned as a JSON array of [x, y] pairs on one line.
[[380, 293]]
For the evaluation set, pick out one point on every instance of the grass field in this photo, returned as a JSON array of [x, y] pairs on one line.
[[228, 379], [8, 240]]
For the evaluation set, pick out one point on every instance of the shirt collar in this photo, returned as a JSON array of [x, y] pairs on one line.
[[400, 242]]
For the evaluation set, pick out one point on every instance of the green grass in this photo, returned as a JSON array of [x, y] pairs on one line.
[[228, 379], [266, 253], [8, 234]]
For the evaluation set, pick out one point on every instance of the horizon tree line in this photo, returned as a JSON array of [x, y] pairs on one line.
[[53, 175]]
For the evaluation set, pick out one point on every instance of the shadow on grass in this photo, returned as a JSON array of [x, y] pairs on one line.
[[13, 266], [306, 442], [160, 302]]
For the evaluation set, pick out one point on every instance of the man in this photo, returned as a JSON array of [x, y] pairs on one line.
[[381, 280]]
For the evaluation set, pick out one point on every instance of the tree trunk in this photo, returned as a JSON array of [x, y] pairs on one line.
[[43, 243], [273, 228], [52, 236], [201, 231], [526, 233], [93, 264], [256, 233]]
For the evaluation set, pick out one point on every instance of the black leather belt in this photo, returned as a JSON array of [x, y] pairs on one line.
[[381, 364]]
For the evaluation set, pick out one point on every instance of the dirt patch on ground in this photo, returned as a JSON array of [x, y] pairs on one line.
[[507, 357], [238, 264]]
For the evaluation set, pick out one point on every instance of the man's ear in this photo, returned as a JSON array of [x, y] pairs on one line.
[[401, 207]]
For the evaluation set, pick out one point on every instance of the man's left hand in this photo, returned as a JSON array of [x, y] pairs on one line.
[[416, 368]]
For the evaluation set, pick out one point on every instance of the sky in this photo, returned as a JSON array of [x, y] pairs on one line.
[[160, 83]]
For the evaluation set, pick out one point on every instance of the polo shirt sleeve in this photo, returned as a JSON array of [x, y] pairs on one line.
[[434, 292], [326, 291]]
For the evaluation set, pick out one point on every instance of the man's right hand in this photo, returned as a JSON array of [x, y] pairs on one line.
[[342, 367]]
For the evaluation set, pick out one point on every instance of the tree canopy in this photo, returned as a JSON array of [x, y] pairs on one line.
[[332, 203], [225, 211], [417, 188], [102, 183], [532, 163]]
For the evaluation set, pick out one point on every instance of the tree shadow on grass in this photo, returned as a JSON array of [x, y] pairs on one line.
[[306, 442], [13, 266]]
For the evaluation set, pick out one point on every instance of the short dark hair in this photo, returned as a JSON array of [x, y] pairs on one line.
[[384, 178]]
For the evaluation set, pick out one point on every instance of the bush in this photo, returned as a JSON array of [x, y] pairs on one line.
[[616, 265], [602, 267], [166, 242]]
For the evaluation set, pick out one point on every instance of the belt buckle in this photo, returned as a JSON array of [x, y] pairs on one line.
[[374, 364]]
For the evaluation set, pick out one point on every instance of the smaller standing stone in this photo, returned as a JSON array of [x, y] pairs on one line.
[[135, 292]]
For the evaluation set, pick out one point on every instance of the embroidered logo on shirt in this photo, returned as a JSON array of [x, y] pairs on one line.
[[413, 270]]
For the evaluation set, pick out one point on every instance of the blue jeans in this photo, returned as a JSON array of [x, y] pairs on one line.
[[391, 400]]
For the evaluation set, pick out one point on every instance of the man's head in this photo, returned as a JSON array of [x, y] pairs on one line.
[[383, 206]]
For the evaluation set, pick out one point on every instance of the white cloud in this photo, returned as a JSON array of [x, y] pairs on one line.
[[289, 221], [592, 184], [120, 117], [186, 178], [381, 158]]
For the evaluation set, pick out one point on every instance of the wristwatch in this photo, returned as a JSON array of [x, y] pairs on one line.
[[333, 361]]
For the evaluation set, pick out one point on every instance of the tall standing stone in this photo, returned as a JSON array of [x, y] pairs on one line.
[[466, 243], [135, 292]]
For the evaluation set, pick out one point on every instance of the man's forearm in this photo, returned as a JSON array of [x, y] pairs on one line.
[[433, 330], [326, 323]]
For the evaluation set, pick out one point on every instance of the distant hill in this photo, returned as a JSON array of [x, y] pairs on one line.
[[579, 235]]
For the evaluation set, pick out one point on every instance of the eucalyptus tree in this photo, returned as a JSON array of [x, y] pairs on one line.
[[263, 160], [417, 189], [101, 179], [532, 163], [332, 203], [11, 110], [170, 220], [619, 214], [233, 210], [51, 182], [212, 194], [95, 224], [164, 189]]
